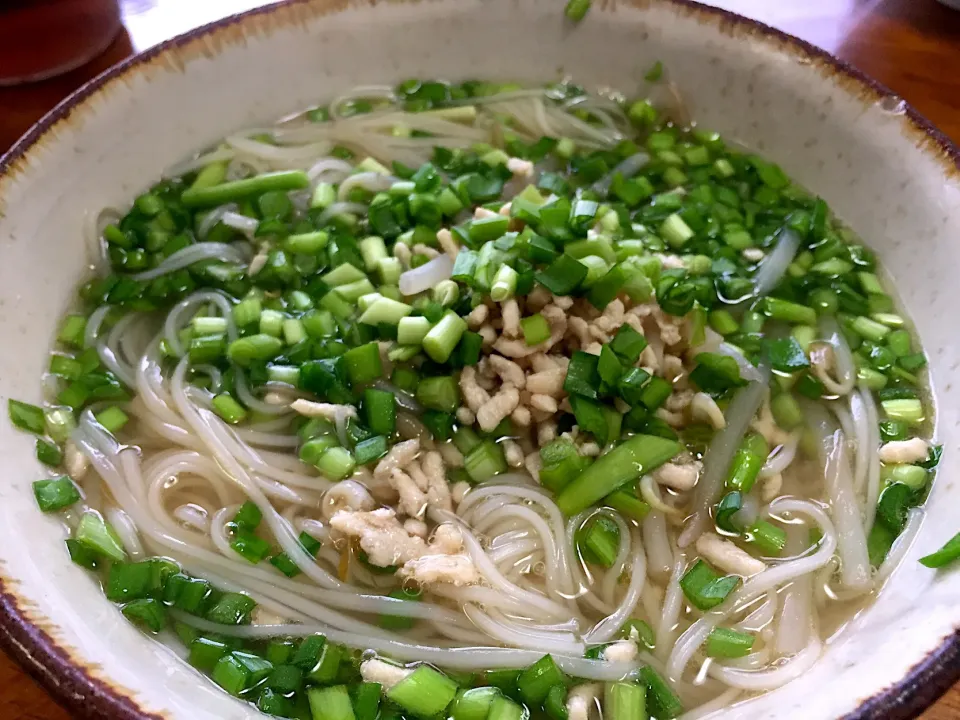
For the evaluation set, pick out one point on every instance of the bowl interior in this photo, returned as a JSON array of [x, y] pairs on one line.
[[854, 147]]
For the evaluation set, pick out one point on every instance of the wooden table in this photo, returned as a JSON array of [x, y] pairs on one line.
[[913, 46]]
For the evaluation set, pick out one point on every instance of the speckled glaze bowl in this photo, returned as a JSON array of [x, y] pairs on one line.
[[881, 167]]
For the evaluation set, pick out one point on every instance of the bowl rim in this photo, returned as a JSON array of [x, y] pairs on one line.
[[86, 696]]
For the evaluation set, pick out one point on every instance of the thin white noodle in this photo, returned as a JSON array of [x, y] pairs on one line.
[[201, 161], [609, 586], [774, 266], [212, 218], [901, 545], [193, 516], [749, 510], [517, 635], [216, 377], [193, 254], [127, 532], [650, 491], [563, 559], [362, 92], [604, 630], [172, 324], [861, 434], [329, 169], [748, 370], [688, 643], [717, 459], [370, 181], [873, 466], [760, 617], [251, 401], [473, 658], [849, 430], [496, 579], [105, 347], [404, 399], [275, 584], [672, 605], [781, 456], [754, 661], [851, 540], [247, 225], [627, 169], [428, 275], [758, 680], [92, 328], [657, 543], [843, 359], [95, 244], [341, 208], [794, 622], [581, 573]]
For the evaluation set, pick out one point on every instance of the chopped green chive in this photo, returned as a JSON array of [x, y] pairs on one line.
[[26, 416], [229, 409], [704, 588], [625, 463], [57, 494], [625, 701], [726, 643], [424, 693], [443, 337]]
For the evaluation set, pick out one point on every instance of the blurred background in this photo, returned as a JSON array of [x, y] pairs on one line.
[[49, 48]]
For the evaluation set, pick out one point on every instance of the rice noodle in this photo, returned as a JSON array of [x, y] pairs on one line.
[[650, 492], [126, 531], [748, 513], [93, 225], [901, 545], [774, 677], [426, 276], [843, 359], [626, 169], [851, 539], [252, 402], [172, 324], [758, 584], [246, 225], [795, 622], [871, 450], [748, 371], [657, 543], [329, 169], [220, 155], [192, 254], [718, 456], [404, 399], [781, 456], [212, 218], [774, 265], [672, 603], [370, 181], [760, 617], [465, 659], [341, 208]]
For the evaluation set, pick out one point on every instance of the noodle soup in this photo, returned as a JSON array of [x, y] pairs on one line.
[[484, 400]]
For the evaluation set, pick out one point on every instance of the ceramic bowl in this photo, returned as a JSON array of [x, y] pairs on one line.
[[880, 166]]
